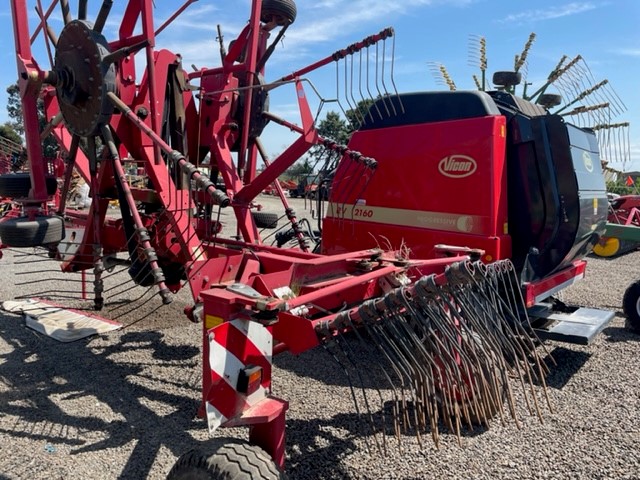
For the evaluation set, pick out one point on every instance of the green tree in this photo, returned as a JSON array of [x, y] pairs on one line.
[[334, 128], [50, 146], [360, 115], [14, 108], [338, 129], [9, 132], [298, 169]]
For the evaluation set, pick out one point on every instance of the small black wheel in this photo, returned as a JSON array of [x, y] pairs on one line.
[[17, 185], [282, 11], [21, 232], [507, 79], [631, 306], [237, 461], [549, 100], [265, 219]]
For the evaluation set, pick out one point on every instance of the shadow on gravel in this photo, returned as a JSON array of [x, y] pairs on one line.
[[44, 381], [569, 363], [349, 361], [621, 334], [318, 445]]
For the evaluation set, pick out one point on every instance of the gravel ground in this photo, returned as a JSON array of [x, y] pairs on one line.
[[124, 405]]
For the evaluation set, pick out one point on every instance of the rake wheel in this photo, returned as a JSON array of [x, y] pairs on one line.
[[24, 233], [507, 79], [265, 219], [17, 185], [282, 11], [631, 306], [238, 461]]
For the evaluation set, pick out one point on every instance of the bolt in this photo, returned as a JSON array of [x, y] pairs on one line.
[[142, 113]]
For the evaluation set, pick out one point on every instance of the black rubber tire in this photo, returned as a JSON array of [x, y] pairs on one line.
[[17, 185], [631, 306], [24, 233], [284, 11], [237, 461], [507, 79], [265, 219], [549, 100]]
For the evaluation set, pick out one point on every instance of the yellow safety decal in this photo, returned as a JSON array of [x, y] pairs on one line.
[[211, 321]]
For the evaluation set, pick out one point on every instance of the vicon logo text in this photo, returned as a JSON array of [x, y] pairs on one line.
[[457, 166]]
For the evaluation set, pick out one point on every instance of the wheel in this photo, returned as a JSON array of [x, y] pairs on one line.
[[23, 233], [631, 306], [282, 11], [265, 219], [237, 461], [549, 100], [609, 247], [17, 185], [507, 79]]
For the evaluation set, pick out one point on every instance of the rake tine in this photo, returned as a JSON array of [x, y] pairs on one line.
[[347, 350], [375, 104], [373, 327], [384, 372], [408, 360]]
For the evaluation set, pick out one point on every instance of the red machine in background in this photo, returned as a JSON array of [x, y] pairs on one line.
[[433, 184], [623, 210]]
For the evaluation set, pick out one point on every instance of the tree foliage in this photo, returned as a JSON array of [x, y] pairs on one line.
[[14, 108], [298, 169], [50, 146], [623, 189], [338, 129], [9, 132]]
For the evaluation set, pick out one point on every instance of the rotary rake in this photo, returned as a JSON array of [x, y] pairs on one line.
[[452, 334]]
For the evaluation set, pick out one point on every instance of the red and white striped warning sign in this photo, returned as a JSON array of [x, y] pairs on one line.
[[235, 346]]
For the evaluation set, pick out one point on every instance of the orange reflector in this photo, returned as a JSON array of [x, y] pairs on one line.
[[249, 379]]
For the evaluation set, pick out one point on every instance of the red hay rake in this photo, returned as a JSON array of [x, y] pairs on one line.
[[452, 333]]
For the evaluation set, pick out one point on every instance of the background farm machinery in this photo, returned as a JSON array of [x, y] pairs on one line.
[[440, 285]]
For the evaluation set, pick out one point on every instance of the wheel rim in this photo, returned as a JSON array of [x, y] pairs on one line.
[[607, 247]]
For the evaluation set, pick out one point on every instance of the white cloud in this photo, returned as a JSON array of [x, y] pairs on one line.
[[628, 52], [549, 13]]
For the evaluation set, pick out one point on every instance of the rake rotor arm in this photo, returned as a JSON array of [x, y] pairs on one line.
[[285, 203], [330, 145], [141, 231], [45, 17], [340, 54], [308, 138], [357, 315], [29, 90], [219, 198]]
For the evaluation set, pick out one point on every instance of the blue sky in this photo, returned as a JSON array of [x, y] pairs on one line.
[[605, 32]]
